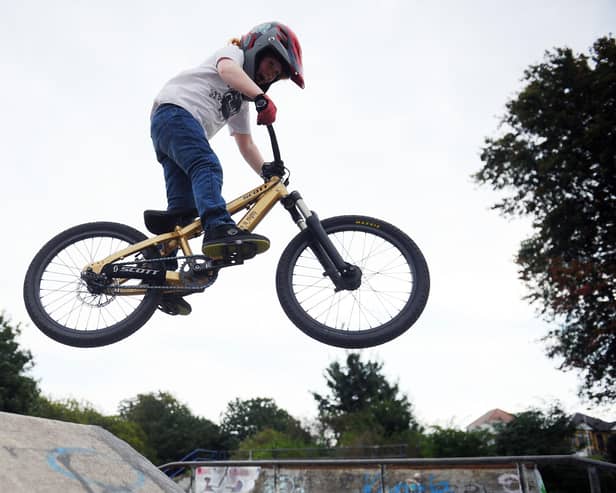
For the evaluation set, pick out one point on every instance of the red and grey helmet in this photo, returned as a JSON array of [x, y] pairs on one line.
[[276, 38]]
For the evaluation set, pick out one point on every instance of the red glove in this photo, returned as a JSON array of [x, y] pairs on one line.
[[266, 110]]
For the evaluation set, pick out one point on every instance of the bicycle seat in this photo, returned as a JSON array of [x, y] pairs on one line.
[[160, 222]]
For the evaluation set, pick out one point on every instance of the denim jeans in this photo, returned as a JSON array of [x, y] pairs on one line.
[[193, 175]]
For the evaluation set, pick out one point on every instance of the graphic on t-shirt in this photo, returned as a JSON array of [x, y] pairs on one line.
[[231, 103]]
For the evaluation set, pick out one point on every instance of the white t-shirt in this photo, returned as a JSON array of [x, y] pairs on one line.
[[203, 93]]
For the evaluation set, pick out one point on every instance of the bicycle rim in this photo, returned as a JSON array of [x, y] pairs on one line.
[[65, 296], [67, 309], [387, 284]]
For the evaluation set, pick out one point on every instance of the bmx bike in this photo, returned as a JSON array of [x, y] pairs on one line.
[[348, 281]]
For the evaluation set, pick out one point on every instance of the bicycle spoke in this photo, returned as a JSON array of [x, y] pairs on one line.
[[387, 283], [66, 298]]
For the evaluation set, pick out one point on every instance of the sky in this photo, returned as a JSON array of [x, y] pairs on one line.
[[399, 98]]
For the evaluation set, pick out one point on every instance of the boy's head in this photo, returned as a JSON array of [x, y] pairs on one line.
[[270, 67], [272, 52]]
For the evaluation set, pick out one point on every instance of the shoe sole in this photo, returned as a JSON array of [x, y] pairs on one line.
[[244, 249], [175, 307]]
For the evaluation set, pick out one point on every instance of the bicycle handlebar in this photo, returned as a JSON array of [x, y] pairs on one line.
[[275, 148]]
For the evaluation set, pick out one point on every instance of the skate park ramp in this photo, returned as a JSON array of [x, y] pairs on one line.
[[46, 456], [340, 478]]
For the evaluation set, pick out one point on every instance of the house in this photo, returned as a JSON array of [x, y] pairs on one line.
[[490, 419], [592, 434]]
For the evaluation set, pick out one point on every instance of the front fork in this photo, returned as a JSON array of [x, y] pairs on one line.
[[345, 276]]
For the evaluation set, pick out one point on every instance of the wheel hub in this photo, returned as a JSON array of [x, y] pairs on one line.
[[351, 278], [95, 283]]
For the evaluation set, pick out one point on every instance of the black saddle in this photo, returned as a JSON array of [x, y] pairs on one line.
[[160, 222]]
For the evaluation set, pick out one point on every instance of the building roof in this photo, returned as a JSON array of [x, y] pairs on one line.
[[490, 418], [580, 420], [594, 423]]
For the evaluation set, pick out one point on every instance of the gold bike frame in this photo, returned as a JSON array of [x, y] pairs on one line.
[[257, 203]]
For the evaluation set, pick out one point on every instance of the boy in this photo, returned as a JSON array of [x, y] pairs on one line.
[[198, 102]]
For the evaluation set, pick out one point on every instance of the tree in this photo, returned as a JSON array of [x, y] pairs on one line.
[[245, 418], [558, 156], [268, 443], [18, 392], [363, 407], [550, 432], [535, 432], [451, 442], [84, 413], [170, 427]]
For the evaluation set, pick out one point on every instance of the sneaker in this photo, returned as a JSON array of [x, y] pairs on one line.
[[228, 240], [173, 304]]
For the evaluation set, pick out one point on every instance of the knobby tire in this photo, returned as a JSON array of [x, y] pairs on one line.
[[58, 301], [392, 296]]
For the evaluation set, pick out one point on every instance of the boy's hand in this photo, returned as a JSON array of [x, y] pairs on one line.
[[275, 168], [266, 110]]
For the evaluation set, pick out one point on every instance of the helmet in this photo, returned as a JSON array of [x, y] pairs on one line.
[[277, 39]]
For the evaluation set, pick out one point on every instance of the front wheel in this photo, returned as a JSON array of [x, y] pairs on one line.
[[394, 284], [62, 303]]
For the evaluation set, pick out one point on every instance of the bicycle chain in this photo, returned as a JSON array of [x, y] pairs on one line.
[[187, 288]]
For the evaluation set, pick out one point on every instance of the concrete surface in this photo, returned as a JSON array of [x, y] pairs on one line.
[[341, 479], [46, 456]]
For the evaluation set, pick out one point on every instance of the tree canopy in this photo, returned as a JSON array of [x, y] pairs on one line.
[[171, 428], [18, 392], [362, 402], [245, 418], [558, 157], [75, 411], [452, 442], [272, 444], [536, 432]]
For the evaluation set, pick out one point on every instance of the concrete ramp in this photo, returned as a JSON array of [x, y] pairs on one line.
[[348, 478], [46, 456]]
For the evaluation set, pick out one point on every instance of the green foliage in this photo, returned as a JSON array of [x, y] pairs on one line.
[[245, 418], [171, 429], [451, 442], [535, 432], [74, 411], [268, 443], [18, 392], [558, 157], [362, 403]]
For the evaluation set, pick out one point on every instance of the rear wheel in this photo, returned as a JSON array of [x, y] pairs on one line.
[[67, 307], [394, 284]]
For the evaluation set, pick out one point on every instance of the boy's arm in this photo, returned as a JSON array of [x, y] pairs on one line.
[[235, 77], [249, 151]]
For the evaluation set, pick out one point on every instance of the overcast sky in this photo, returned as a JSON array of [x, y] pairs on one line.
[[399, 98]]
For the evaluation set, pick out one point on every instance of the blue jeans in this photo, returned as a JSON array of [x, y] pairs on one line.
[[193, 175]]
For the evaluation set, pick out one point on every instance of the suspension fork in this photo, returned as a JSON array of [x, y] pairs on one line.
[[344, 275]]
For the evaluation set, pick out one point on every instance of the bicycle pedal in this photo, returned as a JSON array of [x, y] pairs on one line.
[[198, 266], [174, 305], [243, 251], [232, 253]]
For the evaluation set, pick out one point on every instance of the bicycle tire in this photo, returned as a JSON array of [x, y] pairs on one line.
[[309, 299], [58, 301]]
